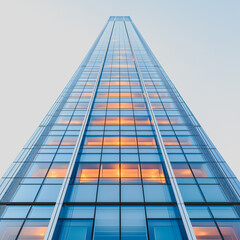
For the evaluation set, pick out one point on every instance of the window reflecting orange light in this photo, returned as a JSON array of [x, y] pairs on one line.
[[153, 94], [63, 120], [146, 141], [86, 94], [82, 105], [76, 95], [76, 121], [185, 140], [57, 171], [142, 121], [53, 141], [126, 105], [182, 171], [36, 233], [139, 105], [130, 171], [127, 121], [111, 141], [109, 171], [199, 170], [153, 173], [170, 141], [162, 121], [157, 105], [97, 121], [206, 233], [128, 141], [113, 105], [112, 120], [69, 141], [168, 105], [120, 57], [175, 120], [230, 233], [93, 141]]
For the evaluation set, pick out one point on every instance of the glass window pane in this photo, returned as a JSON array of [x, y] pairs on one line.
[[9, 229]]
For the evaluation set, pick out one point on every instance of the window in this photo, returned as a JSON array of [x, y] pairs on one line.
[[33, 230], [9, 229], [73, 229], [57, 170]]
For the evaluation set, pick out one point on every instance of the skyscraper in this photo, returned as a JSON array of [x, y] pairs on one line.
[[119, 156]]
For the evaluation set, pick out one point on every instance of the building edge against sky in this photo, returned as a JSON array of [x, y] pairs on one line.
[[119, 155]]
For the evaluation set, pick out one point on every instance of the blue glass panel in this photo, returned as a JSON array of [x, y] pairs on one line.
[[224, 212], [198, 212], [106, 226], [230, 229], [73, 229], [162, 212], [166, 229], [82, 193], [213, 193], [9, 229], [77, 212], [41, 212], [157, 193], [15, 212], [25, 193], [131, 193], [48, 193], [191, 193], [108, 193], [133, 223]]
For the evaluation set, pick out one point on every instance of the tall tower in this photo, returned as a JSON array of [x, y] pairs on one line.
[[119, 156]]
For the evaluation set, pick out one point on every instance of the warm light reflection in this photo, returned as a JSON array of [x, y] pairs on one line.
[[130, 171], [93, 141], [153, 173], [205, 233], [126, 121], [63, 120], [82, 105], [36, 233], [162, 121], [76, 121], [109, 171], [85, 94], [199, 170], [69, 141], [53, 141], [175, 120], [57, 171], [111, 141], [128, 141], [112, 120], [146, 141], [157, 105], [182, 172], [142, 121], [230, 233], [170, 141]]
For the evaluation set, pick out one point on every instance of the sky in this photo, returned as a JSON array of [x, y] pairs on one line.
[[42, 42]]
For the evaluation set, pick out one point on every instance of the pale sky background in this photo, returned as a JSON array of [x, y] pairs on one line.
[[42, 42]]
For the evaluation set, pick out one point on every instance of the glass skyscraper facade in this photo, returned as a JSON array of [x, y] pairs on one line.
[[119, 156]]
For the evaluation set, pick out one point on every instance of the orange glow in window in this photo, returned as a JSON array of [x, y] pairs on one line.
[[57, 171], [127, 121], [142, 121], [86, 95], [229, 233], [125, 95], [170, 141], [130, 171], [128, 141], [182, 173], [113, 105], [111, 141], [100, 105], [153, 173], [157, 105], [36, 233], [146, 141], [153, 95], [139, 105], [205, 233], [162, 121], [76, 121], [109, 171], [63, 120], [126, 105], [69, 141], [53, 141], [93, 141], [120, 66], [82, 105], [112, 121], [97, 120]]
